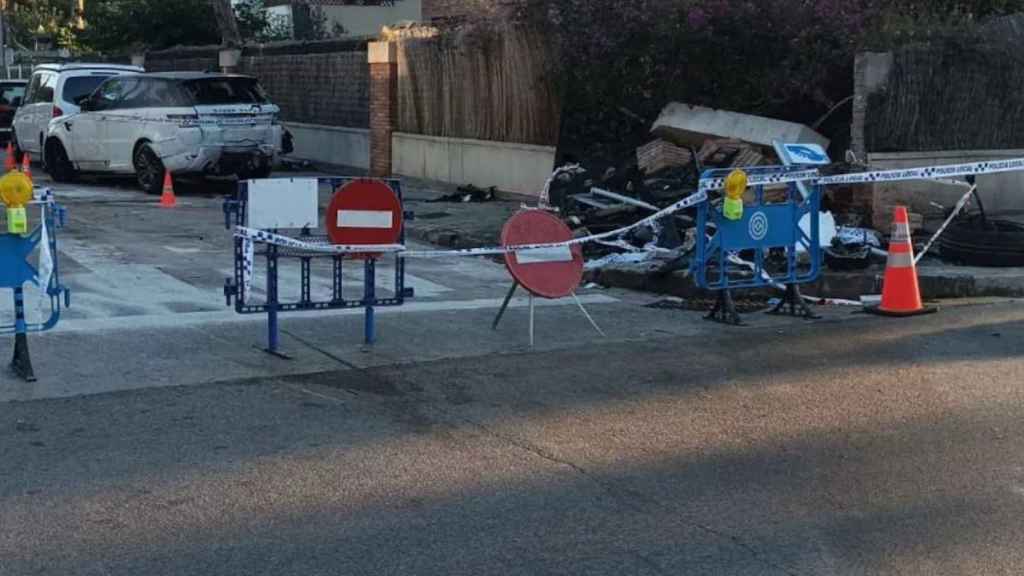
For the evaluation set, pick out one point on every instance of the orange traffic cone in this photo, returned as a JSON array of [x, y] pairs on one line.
[[9, 162], [167, 198], [901, 295], [26, 165]]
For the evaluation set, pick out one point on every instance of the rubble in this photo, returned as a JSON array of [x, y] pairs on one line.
[[469, 193]]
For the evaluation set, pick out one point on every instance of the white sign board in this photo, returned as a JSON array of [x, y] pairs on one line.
[[542, 255], [278, 203], [365, 219]]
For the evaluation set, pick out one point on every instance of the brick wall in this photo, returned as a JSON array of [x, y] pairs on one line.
[[310, 85], [383, 115], [331, 89]]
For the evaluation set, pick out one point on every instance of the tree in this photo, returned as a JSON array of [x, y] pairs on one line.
[[255, 23], [114, 26], [53, 18], [229, 35]]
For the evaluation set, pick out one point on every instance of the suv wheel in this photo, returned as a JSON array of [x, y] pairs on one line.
[[149, 170], [57, 164]]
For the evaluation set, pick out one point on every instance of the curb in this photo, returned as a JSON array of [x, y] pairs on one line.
[[846, 285]]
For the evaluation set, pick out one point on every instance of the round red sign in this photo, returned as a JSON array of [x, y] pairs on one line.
[[364, 212], [548, 272]]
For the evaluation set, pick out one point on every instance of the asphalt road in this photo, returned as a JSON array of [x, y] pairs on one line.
[[160, 440], [868, 446]]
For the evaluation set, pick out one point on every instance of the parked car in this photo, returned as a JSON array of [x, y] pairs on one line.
[[184, 122], [12, 93], [52, 92]]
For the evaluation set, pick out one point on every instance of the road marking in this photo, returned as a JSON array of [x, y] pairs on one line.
[[177, 250], [184, 320]]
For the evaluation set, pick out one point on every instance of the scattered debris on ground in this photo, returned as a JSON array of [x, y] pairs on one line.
[[469, 193], [745, 305]]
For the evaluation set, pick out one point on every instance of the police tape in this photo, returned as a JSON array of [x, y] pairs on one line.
[[321, 247], [898, 175], [924, 173]]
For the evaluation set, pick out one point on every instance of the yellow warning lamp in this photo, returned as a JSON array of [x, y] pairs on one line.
[[16, 192], [735, 187]]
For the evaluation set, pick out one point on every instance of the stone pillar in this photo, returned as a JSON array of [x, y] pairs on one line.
[[229, 59], [139, 60], [383, 59]]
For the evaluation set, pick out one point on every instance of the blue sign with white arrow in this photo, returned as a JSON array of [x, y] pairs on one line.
[[805, 154]]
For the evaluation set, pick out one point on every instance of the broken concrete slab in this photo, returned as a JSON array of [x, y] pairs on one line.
[[687, 125]]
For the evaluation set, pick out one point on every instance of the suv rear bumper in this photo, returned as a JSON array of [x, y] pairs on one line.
[[221, 160]]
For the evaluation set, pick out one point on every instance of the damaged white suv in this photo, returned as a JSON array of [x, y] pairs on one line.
[[182, 122]]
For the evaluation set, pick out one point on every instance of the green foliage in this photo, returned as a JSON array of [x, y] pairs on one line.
[[118, 25], [254, 23], [789, 59], [52, 18]]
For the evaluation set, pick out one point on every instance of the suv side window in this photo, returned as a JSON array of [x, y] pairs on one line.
[[33, 87], [108, 95], [45, 91], [167, 94], [125, 93]]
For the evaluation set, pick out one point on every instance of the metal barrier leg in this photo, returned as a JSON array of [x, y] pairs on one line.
[[22, 362], [796, 304], [531, 319], [587, 314], [272, 303], [370, 283], [504, 305], [724, 310]]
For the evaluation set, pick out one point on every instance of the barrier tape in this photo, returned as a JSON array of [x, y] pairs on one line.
[[952, 216], [925, 173], [324, 248]]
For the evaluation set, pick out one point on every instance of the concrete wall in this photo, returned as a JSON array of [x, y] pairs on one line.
[[999, 192], [871, 74], [331, 144], [518, 168]]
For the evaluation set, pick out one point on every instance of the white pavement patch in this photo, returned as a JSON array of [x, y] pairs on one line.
[[228, 316]]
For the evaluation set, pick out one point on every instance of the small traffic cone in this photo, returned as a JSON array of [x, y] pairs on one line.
[[167, 198], [901, 295], [9, 162], [26, 165]]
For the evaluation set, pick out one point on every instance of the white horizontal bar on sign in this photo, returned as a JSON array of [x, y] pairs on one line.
[[365, 219], [541, 255]]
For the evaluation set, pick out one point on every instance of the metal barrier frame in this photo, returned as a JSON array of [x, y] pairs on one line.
[[54, 216], [731, 237], [60, 296], [234, 288]]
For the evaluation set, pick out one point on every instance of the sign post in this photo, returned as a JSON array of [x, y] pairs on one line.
[[362, 212], [550, 273]]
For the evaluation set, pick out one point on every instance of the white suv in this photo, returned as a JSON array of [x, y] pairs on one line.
[[51, 93], [182, 122]]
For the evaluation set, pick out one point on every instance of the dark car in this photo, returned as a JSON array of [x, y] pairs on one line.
[[12, 93]]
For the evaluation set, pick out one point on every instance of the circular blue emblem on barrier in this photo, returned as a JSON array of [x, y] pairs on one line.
[[758, 228]]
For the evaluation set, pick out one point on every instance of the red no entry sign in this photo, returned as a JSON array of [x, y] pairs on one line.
[[364, 212], [549, 272]]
